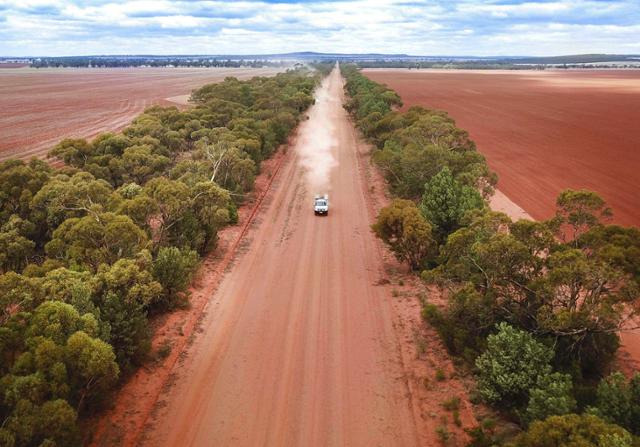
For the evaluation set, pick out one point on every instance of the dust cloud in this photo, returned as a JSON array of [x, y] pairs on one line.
[[317, 140]]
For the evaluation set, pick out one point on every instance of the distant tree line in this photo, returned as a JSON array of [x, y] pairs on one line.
[[534, 308], [486, 65], [90, 251], [509, 63], [450, 64], [123, 62], [576, 59]]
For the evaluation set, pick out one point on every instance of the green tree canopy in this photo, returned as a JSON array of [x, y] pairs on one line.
[[407, 233], [91, 365], [15, 251], [618, 401], [581, 295], [513, 363], [19, 182], [96, 239], [57, 321], [189, 216], [129, 279], [446, 201], [173, 268], [581, 210], [552, 395], [66, 196], [575, 431]]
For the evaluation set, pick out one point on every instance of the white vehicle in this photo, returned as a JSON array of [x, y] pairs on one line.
[[321, 205]]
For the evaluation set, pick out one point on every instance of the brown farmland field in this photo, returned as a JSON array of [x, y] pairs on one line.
[[39, 107], [543, 131]]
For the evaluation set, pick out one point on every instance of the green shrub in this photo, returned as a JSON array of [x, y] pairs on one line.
[[551, 396], [446, 201], [456, 418], [451, 404], [173, 269], [618, 401], [443, 433], [573, 430], [164, 350], [464, 324], [408, 234], [511, 366]]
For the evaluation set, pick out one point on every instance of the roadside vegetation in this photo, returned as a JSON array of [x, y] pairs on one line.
[[534, 309], [91, 251]]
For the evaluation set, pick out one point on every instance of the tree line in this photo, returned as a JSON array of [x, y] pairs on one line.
[[451, 64], [89, 252], [534, 309], [167, 61]]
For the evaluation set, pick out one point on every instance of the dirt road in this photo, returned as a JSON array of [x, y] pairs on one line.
[[297, 347]]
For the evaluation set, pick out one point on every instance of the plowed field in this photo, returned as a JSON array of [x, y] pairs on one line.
[[543, 131], [39, 107]]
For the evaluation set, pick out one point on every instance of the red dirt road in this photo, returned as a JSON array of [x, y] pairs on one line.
[[39, 107], [298, 345], [543, 132]]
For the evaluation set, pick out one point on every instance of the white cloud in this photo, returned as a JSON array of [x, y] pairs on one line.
[[66, 27]]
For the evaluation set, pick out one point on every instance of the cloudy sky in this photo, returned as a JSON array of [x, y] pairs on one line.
[[429, 27]]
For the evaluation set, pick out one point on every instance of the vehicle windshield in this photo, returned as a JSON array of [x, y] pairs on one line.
[[321, 203]]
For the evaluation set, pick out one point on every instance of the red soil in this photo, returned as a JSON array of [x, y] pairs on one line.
[[543, 131], [13, 65], [39, 107]]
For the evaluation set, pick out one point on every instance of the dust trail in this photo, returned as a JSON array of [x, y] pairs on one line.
[[317, 141]]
